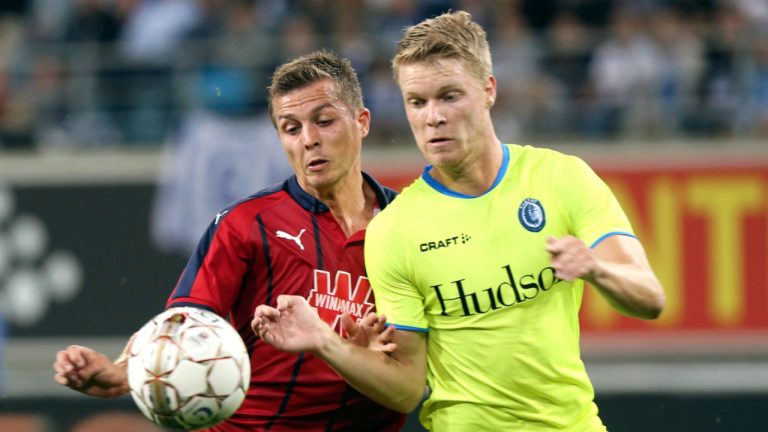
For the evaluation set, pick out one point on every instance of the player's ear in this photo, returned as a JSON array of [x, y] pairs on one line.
[[490, 91], [364, 121]]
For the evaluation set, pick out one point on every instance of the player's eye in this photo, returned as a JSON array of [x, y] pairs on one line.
[[416, 102]]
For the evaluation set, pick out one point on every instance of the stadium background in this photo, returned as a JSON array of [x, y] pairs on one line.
[[667, 99]]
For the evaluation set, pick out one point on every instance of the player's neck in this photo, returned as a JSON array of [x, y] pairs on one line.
[[474, 176], [351, 202]]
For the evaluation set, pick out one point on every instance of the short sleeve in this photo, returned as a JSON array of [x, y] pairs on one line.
[[214, 273], [594, 211], [391, 274]]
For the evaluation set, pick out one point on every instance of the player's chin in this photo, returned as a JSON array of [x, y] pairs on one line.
[[444, 158], [322, 180]]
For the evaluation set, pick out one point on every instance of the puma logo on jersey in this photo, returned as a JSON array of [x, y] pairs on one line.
[[296, 239]]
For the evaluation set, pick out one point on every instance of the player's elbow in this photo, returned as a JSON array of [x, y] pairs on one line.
[[410, 401], [654, 305], [658, 306]]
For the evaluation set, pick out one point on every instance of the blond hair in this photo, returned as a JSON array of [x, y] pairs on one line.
[[313, 67], [450, 35]]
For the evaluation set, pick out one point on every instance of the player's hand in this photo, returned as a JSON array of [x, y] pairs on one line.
[[571, 258], [370, 332], [90, 372], [264, 318], [292, 326]]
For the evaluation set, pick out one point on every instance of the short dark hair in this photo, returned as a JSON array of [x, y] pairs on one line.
[[313, 67]]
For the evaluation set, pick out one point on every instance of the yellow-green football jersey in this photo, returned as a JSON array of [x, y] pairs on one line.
[[473, 272]]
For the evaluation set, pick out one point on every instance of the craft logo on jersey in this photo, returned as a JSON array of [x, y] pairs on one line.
[[331, 301], [443, 243], [531, 215]]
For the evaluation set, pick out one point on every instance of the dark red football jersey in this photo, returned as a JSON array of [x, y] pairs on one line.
[[284, 241]]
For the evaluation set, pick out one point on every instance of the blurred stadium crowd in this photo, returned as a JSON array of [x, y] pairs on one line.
[[104, 73]]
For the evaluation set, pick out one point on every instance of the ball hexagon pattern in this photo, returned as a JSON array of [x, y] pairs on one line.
[[188, 369]]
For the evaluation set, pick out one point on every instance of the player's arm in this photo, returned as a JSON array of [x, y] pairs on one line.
[[617, 267], [396, 380], [91, 372]]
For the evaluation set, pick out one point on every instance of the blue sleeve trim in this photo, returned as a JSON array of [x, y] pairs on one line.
[[611, 234], [409, 328]]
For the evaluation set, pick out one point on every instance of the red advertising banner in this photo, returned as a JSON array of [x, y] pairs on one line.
[[704, 230]]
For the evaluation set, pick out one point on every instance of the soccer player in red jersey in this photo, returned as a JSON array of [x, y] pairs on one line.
[[303, 237]]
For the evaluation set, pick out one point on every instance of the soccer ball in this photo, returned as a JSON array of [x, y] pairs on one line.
[[188, 369]]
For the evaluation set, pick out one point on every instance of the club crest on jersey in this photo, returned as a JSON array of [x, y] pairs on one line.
[[531, 215], [334, 296]]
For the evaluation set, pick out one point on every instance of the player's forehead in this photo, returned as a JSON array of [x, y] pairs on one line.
[[318, 95], [431, 74]]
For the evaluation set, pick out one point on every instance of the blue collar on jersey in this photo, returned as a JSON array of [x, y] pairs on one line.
[[384, 195], [444, 190]]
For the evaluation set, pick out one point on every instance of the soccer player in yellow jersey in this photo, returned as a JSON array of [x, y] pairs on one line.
[[480, 264]]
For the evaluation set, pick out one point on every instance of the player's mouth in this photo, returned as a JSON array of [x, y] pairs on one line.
[[439, 141], [317, 164]]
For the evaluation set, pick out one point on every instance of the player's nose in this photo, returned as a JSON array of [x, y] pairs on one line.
[[435, 116], [310, 137]]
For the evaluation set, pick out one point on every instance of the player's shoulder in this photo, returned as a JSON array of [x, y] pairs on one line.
[[247, 208], [544, 163], [540, 155], [397, 218], [411, 196]]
